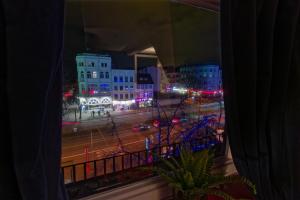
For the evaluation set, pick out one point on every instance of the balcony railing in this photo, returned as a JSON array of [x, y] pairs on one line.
[[86, 178]]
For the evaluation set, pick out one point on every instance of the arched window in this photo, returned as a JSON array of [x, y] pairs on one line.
[[88, 74]]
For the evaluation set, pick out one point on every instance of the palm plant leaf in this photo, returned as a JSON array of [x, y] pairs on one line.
[[183, 158], [192, 175]]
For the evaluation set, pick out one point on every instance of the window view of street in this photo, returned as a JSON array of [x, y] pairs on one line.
[[136, 108], [128, 89]]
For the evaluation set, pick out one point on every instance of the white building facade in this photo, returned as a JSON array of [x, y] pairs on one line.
[[94, 81]]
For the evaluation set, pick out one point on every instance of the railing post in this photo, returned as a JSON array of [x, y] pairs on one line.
[[139, 158], [122, 162], [74, 173], [146, 156], [84, 173], [130, 159], [63, 173], [95, 168], [104, 166], [114, 164]]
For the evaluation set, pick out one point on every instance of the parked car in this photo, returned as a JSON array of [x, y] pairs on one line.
[[141, 127]]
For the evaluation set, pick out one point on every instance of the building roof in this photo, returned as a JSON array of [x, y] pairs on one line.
[[94, 54], [143, 78], [125, 68]]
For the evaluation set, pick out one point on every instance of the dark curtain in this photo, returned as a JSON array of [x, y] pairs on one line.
[[261, 75], [31, 43]]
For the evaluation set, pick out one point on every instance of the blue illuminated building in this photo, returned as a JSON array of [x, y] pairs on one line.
[[202, 77], [102, 87], [123, 88]]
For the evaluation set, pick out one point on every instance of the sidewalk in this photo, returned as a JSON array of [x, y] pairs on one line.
[[87, 116]]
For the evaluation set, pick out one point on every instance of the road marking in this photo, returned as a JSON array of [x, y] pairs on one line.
[[80, 154]]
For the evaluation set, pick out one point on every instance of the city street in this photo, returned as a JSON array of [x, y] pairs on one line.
[[96, 139]]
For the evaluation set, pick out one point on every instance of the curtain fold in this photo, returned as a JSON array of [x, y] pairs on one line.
[[260, 57], [31, 81]]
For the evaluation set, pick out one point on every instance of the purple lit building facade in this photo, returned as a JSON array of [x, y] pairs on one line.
[[144, 90]]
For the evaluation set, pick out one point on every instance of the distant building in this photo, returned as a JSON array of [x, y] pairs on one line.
[[202, 77], [94, 80], [123, 88], [156, 76], [144, 90], [173, 77]]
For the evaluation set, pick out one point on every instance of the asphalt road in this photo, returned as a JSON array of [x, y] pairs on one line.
[[96, 139]]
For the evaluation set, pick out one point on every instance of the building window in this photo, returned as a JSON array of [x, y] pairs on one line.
[[116, 87], [105, 87], [121, 87], [82, 75], [93, 64], [102, 64], [121, 96], [92, 88], [88, 74], [94, 75], [115, 79], [101, 75], [131, 79], [116, 96], [126, 78], [131, 96], [121, 78], [126, 87], [131, 87], [126, 96], [106, 75]]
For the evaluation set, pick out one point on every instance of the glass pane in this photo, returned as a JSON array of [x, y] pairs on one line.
[[141, 78]]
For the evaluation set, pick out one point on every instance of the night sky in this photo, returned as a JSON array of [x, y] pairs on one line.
[[180, 34]]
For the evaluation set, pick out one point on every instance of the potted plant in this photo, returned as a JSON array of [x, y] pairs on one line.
[[191, 176]]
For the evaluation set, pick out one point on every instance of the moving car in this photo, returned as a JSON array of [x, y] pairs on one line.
[[141, 127], [161, 123]]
